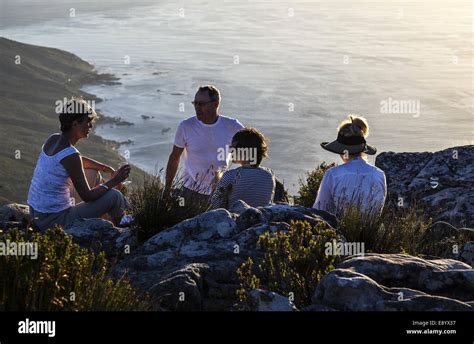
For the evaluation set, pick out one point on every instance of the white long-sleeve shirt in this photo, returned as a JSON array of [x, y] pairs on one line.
[[355, 182]]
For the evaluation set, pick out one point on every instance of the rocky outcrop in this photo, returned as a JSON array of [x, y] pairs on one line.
[[101, 235], [441, 182], [346, 290], [388, 282], [192, 266]]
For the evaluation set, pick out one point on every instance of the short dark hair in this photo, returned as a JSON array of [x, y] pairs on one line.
[[212, 92], [251, 138], [75, 109]]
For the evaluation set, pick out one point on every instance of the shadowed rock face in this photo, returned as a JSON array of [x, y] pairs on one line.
[[443, 182], [389, 282], [444, 277], [192, 265], [346, 290]]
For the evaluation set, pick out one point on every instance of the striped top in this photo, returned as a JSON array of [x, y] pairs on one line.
[[253, 185]]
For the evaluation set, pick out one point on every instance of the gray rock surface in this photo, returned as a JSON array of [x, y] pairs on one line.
[[442, 182]]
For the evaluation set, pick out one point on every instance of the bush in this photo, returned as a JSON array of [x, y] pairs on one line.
[[63, 277], [308, 187], [154, 210], [248, 281], [293, 262], [395, 230], [441, 242]]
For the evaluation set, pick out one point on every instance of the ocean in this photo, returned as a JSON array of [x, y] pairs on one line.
[[292, 69]]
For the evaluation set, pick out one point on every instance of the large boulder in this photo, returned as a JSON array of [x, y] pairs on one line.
[[441, 182], [376, 282], [446, 277], [192, 265], [347, 290]]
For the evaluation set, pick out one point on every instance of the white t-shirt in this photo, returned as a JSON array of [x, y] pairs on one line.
[[205, 149], [350, 184]]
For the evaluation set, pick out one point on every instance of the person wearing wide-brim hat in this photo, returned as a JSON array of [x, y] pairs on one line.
[[355, 183]]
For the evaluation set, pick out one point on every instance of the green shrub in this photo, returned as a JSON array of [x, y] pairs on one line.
[[154, 210], [293, 262], [63, 277], [443, 243], [395, 230], [308, 187], [248, 280]]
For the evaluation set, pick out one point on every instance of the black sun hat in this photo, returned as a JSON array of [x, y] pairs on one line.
[[352, 144]]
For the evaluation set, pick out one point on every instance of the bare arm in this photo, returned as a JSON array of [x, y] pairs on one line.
[[95, 165], [75, 169], [172, 167]]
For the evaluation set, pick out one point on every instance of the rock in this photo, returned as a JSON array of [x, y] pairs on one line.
[[441, 182], [446, 277], [377, 282], [192, 265], [268, 301], [467, 253], [287, 213], [181, 289], [347, 290], [14, 216], [95, 234], [126, 240], [216, 222], [215, 244], [250, 217], [239, 207]]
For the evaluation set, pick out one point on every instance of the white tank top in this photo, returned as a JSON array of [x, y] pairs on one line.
[[49, 189]]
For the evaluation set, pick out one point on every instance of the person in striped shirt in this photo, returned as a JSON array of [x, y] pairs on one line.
[[251, 183]]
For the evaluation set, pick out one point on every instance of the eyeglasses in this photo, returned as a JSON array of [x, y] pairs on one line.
[[195, 103]]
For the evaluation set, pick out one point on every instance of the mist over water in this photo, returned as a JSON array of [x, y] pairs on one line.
[[292, 69]]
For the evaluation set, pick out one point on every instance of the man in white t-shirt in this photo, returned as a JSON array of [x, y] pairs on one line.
[[204, 140]]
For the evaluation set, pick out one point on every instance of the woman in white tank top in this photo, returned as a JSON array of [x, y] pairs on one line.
[[65, 184]]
